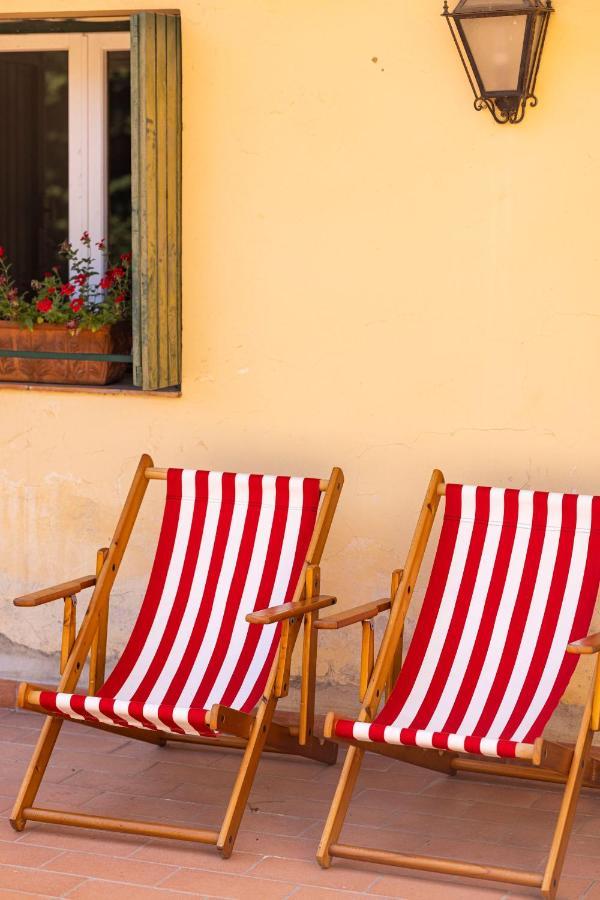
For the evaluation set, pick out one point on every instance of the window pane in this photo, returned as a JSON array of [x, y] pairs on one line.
[[34, 169], [119, 152]]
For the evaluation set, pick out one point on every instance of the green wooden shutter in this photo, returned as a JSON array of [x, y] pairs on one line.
[[156, 198]]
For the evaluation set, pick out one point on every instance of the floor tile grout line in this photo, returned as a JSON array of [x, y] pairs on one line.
[[308, 827], [52, 859], [170, 874], [29, 893], [271, 878], [86, 880], [263, 857], [110, 855], [90, 879], [376, 879]]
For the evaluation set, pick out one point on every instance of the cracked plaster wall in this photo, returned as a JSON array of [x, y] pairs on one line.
[[375, 276]]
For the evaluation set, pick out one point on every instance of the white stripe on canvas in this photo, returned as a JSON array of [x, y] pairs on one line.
[[424, 739], [157, 629], [92, 706], [564, 624], [456, 743], [63, 704], [282, 580], [188, 620], [488, 747], [121, 709], [535, 615], [360, 731], [504, 614], [230, 558], [249, 593], [470, 633], [391, 735]]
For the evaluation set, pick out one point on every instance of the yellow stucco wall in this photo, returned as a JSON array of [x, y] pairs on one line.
[[374, 276]]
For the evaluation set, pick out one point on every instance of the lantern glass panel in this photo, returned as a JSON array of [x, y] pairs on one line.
[[496, 44]]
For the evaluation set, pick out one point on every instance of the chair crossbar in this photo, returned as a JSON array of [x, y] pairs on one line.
[[127, 826], [431, 864]]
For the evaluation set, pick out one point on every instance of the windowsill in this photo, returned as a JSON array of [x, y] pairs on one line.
[[120, 388]]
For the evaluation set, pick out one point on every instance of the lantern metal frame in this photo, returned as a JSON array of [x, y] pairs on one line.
[[507, 106]]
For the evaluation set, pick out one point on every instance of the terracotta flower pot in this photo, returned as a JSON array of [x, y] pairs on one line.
[[56, 338]]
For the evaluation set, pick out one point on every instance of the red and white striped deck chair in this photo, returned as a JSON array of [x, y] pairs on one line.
[[511, 593], [235, 574]]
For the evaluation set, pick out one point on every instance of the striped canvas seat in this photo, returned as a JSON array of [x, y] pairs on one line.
[[229, 544], [515, 578]]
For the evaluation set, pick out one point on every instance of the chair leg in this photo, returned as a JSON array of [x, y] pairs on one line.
[[566, 815], [339, 806], [35, 771], [245, 778]]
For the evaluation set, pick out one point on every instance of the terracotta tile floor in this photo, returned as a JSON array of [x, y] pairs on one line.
[[395, 806]]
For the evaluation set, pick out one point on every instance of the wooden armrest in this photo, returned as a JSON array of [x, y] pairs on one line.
[[589, 644], [58, 592], [356, 614], [288, 610]]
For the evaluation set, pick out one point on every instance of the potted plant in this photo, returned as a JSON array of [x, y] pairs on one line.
[[85, 314]]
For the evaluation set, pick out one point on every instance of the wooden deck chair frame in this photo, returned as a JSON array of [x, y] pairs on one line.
[[251, 733], [550, 762]]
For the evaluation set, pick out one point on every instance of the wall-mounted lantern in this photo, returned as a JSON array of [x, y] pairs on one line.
[[500, 43]]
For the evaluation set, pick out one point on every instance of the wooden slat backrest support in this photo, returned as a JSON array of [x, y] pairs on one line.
[[97, 608], [393, 633]]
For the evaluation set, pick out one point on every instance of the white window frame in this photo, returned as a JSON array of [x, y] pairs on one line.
[[88, 123]]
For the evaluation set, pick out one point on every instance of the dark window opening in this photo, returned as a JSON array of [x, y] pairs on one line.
[[119, 152], [34, 161]]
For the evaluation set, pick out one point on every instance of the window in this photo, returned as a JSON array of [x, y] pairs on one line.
[[94, 113], [67, 98]]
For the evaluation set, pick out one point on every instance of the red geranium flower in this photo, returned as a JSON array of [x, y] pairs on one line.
[[80, 279], [51, 290], [118, 272], [44, 305], [85, 237], [67, 289], [2, 252], [120, 298], [125, 257], [76, 304]]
